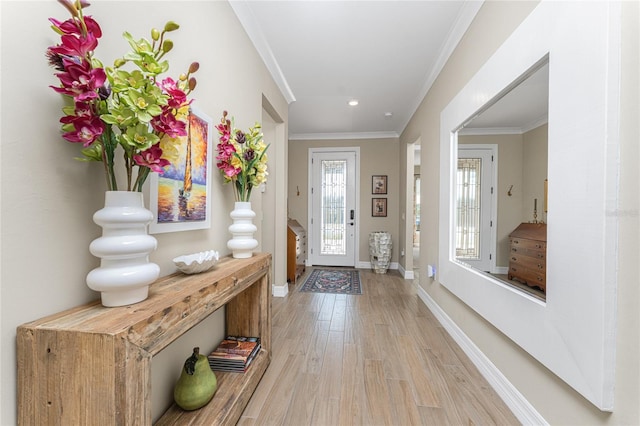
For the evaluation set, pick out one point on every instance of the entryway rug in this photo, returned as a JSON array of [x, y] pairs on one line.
[[333, 281]]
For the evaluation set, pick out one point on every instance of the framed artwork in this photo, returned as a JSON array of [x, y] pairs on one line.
[[180, 198], [379, 207], [379, 184]]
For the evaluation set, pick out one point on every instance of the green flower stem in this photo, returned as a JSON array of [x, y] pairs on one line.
[[128, 167], [105, 164], [106, 140], [143, 173]]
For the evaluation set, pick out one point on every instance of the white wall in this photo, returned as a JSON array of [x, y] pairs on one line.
[[48, 198]]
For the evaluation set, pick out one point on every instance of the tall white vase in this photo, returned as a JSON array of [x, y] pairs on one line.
[[380, 247], [125, 272], [242, 230]]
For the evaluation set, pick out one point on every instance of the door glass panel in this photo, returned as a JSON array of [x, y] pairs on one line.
[[468, 208], [333, 207]]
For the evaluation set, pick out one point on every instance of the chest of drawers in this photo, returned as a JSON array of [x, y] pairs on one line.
[[296, 250], [528, 254]]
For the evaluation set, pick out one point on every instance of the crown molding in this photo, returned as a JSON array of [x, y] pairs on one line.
[[252, 28], [535, 123], [468, 12], [470, 131], [342, 136]]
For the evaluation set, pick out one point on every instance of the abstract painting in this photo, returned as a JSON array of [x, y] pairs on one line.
[[180, 197]]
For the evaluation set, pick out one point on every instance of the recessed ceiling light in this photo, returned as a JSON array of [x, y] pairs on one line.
[[388, 114], [353, 102]]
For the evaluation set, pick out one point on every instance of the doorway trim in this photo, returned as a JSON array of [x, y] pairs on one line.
[[492, 225], [310, 236], [407, 270]]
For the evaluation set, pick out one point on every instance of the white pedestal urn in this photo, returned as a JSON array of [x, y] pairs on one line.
[[125, 272], [242, 229]]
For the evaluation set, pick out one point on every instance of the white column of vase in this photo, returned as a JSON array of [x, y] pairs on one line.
[[242, 244], [125, 272]]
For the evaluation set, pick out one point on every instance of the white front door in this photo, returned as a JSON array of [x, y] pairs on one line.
[[333, 218], [475, 233]]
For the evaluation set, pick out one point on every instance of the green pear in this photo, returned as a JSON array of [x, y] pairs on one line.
[[197, 383]]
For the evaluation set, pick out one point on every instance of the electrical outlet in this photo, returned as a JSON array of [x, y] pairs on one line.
[[431, 271]]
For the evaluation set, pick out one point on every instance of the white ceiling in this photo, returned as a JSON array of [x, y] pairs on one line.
[[385, 54], [520, 109]]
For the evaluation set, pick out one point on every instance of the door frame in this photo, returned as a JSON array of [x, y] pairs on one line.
[[489, 149], [310, 236]]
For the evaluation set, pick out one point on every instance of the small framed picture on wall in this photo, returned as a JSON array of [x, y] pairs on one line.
[[379, 207], [379, 184]]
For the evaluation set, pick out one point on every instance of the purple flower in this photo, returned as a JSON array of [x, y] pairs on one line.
[[249, 155], [240, 137]]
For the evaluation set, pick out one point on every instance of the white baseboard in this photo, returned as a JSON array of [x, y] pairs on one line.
[[279, 290], [407, 275], [501, 270], [520, 407], [367, 265]]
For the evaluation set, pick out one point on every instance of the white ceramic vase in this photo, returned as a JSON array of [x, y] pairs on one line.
[[125, 272], [242, 230]]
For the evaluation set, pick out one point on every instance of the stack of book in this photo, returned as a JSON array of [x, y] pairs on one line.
[[234, 354]]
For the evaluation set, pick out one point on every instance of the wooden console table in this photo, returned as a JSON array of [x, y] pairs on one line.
[[92, 365]]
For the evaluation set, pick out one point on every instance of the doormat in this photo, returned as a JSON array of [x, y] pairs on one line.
[[333, 281]]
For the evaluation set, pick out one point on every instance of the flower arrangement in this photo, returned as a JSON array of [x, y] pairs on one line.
[[113, 107], [242, 157]]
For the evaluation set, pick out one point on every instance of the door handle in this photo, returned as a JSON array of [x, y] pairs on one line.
[[352, 215]]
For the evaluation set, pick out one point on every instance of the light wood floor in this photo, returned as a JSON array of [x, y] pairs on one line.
[[380, 358]]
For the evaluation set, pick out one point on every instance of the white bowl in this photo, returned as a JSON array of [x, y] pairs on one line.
[[197, 262]]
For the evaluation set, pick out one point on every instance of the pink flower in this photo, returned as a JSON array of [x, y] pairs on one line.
[[225, 152], [71, 26], [224, 128], [76, 46], [86, 129], [225, 132], [228, 170], [177, 97], [83, 110], [152, 158], [168, 124], [80, 81]]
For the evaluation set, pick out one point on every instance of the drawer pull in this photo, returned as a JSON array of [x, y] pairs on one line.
[[514, 259], [539, 266], [513, 249]]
